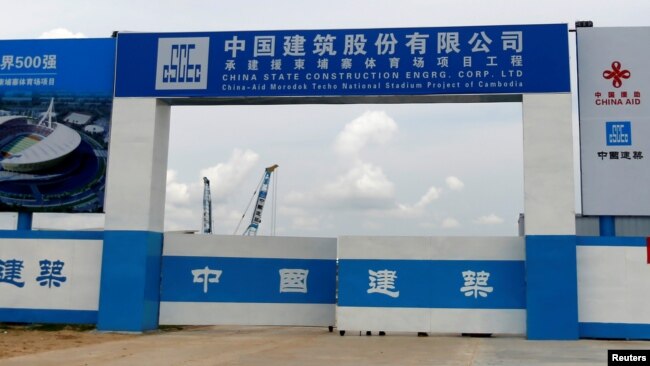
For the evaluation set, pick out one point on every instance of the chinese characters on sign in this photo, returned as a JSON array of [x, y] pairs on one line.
[[293, 280], [620, 155], [382, 282], [51, 273], [205, 276], [345, 62], [368, 61], [10, 272], [27, 71], [476, 284], [12, 62], [415, 44]]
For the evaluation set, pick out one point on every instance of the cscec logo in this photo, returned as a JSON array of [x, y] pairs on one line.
[[182, 63]]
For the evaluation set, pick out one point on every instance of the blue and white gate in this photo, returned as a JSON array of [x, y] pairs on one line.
[[214, 279], [432, 284]]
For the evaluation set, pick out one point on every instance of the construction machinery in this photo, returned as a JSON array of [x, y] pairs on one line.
[[256, 219], [207, 208]]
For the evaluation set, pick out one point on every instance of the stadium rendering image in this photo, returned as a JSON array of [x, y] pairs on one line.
[[47, 165], [35, 146]]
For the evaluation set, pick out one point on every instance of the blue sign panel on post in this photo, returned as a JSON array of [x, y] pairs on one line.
[[55, 105], [353, 62]]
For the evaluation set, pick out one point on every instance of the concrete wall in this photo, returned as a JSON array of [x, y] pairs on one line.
[[251, 280], [135, 210], [429, 291], [550, 217], [614, 287], [49, 277], [548, 164]]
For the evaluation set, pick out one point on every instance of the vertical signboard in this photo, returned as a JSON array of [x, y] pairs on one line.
[[613, 77], [55, 107]]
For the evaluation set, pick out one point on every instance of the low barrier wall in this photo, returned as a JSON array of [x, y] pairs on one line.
[[50, 276], [432, 284], [613, 287], [212, 279]]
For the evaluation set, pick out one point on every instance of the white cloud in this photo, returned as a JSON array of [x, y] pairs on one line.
[[183, 205], [177, 193], [416, 210], [228, 176], [454, 183], [450, 223], [490, 219], [432, 194], [372, 126], [305, 223], [61, 33], [364, 184]]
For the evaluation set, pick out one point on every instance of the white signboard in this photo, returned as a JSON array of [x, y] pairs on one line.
[[49, 274], [613, 80]]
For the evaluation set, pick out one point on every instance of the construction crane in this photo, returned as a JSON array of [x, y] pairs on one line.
[[207, 208], [256, 219]]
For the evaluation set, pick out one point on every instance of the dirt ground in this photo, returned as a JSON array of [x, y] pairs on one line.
[[287, 346], [16, 340]]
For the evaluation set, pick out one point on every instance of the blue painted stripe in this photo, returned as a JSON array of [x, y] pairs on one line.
[[129, 294], [74, 235], [433, 284], [24, 221], [48, 316], [246, 280], [552, 287], [612, 241], [615, 331]]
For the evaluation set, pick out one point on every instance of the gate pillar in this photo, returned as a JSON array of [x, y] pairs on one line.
[[135, 205]]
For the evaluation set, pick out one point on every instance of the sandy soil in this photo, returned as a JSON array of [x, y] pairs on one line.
[[16, 340]]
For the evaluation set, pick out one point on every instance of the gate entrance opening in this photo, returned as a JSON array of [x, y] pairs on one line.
[[380, 169]]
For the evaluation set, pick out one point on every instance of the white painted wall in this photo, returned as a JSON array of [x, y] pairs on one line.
[[223, 313], [179, 244], [548, 164], [613, 285], [137, 165], [432, 248], [82, 268], [502, 321]]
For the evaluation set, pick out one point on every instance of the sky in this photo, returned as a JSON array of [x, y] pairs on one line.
[[399, 169]]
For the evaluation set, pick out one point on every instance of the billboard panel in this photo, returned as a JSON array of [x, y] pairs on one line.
[[352, 62], [55, 107], [613, 80]]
